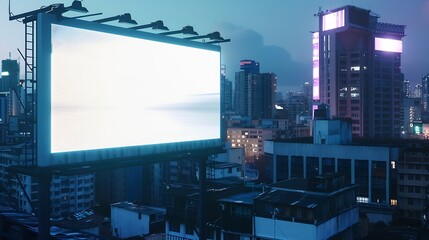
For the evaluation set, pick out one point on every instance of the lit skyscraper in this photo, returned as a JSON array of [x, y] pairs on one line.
[[425, 92], [406, 88], [418, 90], [357, 70]]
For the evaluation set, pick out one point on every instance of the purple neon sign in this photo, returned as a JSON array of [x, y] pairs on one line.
[[333, 20], [388, 45], [316, 66]]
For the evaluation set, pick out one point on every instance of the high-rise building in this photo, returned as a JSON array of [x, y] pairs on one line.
[[406, 88], [255, 92], [11, 109], [263, 96], [68, 194], [412, 114], [425, 92], [242, 82], [418, 90], [306, 89], [357, 70], [10, 74], [226, 86]]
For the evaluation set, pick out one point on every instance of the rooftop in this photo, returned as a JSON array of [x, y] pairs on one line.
[[138, 208], [283, 197], [245, 198], [30, 223], [378, 142], [221, 165]]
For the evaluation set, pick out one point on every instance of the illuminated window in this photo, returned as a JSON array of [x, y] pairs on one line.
[[362, 199], [393, 202]]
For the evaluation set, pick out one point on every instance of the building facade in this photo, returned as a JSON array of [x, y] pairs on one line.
[[68, 194], [368, 166], [413, 183], [321, 207], [132, 220], [251, 140], [357, 70]]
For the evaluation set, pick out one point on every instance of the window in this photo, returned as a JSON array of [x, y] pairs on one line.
[[417, 189], [174, 226], [241, 211], [189, 229], [140, 216]]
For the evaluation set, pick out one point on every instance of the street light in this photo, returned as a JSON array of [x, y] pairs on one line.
[[124, 18], [185, 30], [154, 25]]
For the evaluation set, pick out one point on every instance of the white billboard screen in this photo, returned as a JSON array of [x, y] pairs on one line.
[[388, 45], [333, 20], [113, 91], [106, 92]]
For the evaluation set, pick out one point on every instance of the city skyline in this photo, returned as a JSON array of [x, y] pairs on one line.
[[280, 42]]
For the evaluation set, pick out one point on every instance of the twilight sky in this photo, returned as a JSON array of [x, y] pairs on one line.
[[274, 32]]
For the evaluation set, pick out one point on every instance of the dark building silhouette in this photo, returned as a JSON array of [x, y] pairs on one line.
[[255, 92], [357, 70], [10, 74], [226, 88]]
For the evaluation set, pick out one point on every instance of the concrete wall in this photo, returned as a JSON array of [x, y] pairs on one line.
[[128, 223]]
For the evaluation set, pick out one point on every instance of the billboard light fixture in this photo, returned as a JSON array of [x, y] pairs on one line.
[[124, 18], [215, 36], [219, 41], [211, 36], [77, 7], [185, 30], [157, 25]]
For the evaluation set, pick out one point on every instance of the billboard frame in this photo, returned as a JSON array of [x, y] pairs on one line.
[[43, 104]]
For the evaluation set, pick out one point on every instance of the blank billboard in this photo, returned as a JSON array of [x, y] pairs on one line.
[[388, 45], [114, 88], [333, 20]]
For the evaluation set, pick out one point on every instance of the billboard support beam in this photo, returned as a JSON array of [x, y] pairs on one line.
[[202, 200], [44, 212]]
